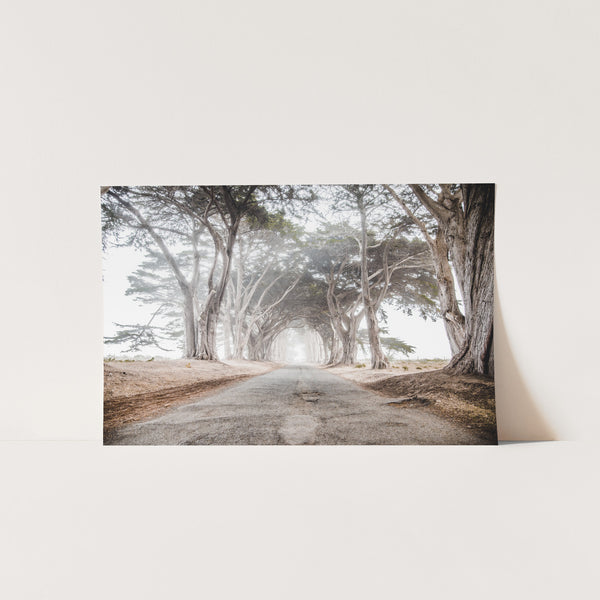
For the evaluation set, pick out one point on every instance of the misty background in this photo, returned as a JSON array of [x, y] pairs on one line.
[[428, 336]]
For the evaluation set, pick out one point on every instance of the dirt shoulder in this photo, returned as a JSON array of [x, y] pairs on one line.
[[141, 390], [465, 400]]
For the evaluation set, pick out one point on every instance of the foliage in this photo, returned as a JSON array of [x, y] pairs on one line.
[[222, 245], [393, 345]]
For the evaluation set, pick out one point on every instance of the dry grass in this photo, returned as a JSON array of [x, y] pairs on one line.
[[140, 390], [362, 374], [467, 400]]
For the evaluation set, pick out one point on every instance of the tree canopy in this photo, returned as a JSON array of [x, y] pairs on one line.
[[228, 269]]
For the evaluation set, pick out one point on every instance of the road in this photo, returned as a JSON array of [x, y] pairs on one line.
[[296, 404]]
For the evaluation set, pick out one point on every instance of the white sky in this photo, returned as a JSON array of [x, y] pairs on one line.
[[428, 337]]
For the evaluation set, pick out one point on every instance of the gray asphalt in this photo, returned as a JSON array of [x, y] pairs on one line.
[[296, 404]]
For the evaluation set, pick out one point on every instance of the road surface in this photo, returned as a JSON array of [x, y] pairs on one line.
[[296, 404]]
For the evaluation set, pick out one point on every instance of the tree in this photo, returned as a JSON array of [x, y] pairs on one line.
[[453, 319], [398, 268], [153, 284], [221, 209], [393, 345], [334, 259], [375, 276], [477, 353], [188, 212], [152, 215], [465, 218], [305, 307], [236, 266], [262, 276]]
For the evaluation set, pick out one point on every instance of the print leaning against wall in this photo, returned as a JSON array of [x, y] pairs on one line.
[[299, 314]]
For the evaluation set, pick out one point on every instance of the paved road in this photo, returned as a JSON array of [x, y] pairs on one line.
[[295, 404]]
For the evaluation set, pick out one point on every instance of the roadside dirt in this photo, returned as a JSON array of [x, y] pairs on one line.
[[141, 390], [465, 400]]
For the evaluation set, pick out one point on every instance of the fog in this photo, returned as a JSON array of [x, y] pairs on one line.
[[428, 337]]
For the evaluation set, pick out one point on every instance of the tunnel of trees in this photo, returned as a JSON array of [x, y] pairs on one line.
[[233, 271]]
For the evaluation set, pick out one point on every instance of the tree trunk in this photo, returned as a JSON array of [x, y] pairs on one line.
[[267, 353], [343, 349], [322, 347], [335, 351], [212, 309], [227, 328], [208, 332], [239, 315], [477, 353], [238, 340], [348, 351], [454, 320], [348, 339], [466, 221], [256, 347], [378, 360], [190, 326]]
